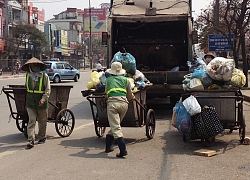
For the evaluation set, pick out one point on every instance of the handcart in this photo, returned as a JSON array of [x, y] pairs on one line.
[[229, 107], [137, 114], [58, 113]]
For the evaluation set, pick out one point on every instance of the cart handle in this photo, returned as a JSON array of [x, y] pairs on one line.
[[53, 105], [89, 98], [237, 98]]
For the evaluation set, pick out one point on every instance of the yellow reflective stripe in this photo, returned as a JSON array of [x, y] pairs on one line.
[[27, 81], [35, 91], [40, 85], [117, 89]]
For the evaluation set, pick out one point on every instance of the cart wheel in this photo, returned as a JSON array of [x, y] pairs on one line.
[[242, 130], [100, 131], [65, 122], [150, 124], [25, 133], [19, 123], [185, 138], [242, 124]]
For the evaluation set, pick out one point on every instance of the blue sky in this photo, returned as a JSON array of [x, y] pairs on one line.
[[53, 7]]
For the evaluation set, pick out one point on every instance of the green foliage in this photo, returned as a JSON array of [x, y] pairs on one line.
[[35, 37]]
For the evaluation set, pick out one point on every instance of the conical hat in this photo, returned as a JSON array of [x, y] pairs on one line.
[[34, 60], [209, 54], [116, 69]]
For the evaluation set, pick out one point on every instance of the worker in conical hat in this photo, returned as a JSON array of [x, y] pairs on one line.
[[209, 57], [38, 91]]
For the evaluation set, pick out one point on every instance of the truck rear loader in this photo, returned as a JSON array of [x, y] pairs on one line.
[[160, 35]]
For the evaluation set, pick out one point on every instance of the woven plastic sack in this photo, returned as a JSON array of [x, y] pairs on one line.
[[238, 79], [221, 69]]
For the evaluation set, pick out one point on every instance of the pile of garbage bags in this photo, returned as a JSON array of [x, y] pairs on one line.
[[220, 73], [136, 78]]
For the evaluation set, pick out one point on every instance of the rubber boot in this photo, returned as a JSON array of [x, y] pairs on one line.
[[122, 147], [109, 142]]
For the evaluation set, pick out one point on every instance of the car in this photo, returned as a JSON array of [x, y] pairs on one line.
[[59, 70]]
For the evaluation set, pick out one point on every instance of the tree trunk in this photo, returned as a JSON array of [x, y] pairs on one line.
[[244, 59]]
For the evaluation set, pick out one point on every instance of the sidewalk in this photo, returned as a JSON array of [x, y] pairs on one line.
[[245, 90], [8, 75]]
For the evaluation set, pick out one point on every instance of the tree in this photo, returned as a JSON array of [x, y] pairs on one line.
[[233, 18], [18, 36]]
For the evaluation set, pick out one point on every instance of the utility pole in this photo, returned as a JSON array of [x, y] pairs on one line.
[[83, 38], [90, 37]]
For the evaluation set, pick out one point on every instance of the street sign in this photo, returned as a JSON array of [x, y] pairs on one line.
[[219, 42]]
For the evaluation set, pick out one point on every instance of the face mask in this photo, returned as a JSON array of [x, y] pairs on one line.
[[208, 59], [35, 68]]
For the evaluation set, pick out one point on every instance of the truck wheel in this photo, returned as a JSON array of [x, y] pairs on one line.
[[150, 124]]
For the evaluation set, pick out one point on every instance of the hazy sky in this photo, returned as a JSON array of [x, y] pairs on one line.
[[53, 7]]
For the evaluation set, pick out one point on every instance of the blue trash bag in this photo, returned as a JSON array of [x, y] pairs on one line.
[[128, 62], [183, 120], [203, 76], [140, 84]]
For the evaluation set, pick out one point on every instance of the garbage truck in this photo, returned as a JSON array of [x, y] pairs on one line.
[[160, 35]]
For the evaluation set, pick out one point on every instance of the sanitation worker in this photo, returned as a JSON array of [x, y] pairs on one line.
[[38, 91], [209, 57], [118, 91]]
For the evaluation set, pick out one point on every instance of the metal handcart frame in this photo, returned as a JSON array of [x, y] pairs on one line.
[[229, 107], [137, 114], [58, 113]]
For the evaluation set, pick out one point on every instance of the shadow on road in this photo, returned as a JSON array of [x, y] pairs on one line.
[[95, 144]]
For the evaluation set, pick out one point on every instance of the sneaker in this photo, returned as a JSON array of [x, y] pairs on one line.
[[30, 145], [41, 141]]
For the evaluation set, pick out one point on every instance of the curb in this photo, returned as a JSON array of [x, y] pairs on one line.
[[246, 98], [11, 76]]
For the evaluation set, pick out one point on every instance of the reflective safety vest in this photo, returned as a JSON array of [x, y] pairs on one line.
[[116, 86], [40, 87], [35, 94]]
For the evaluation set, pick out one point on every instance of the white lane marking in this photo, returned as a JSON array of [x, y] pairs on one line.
[[83, 126], [7, 153], [8, 78]]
